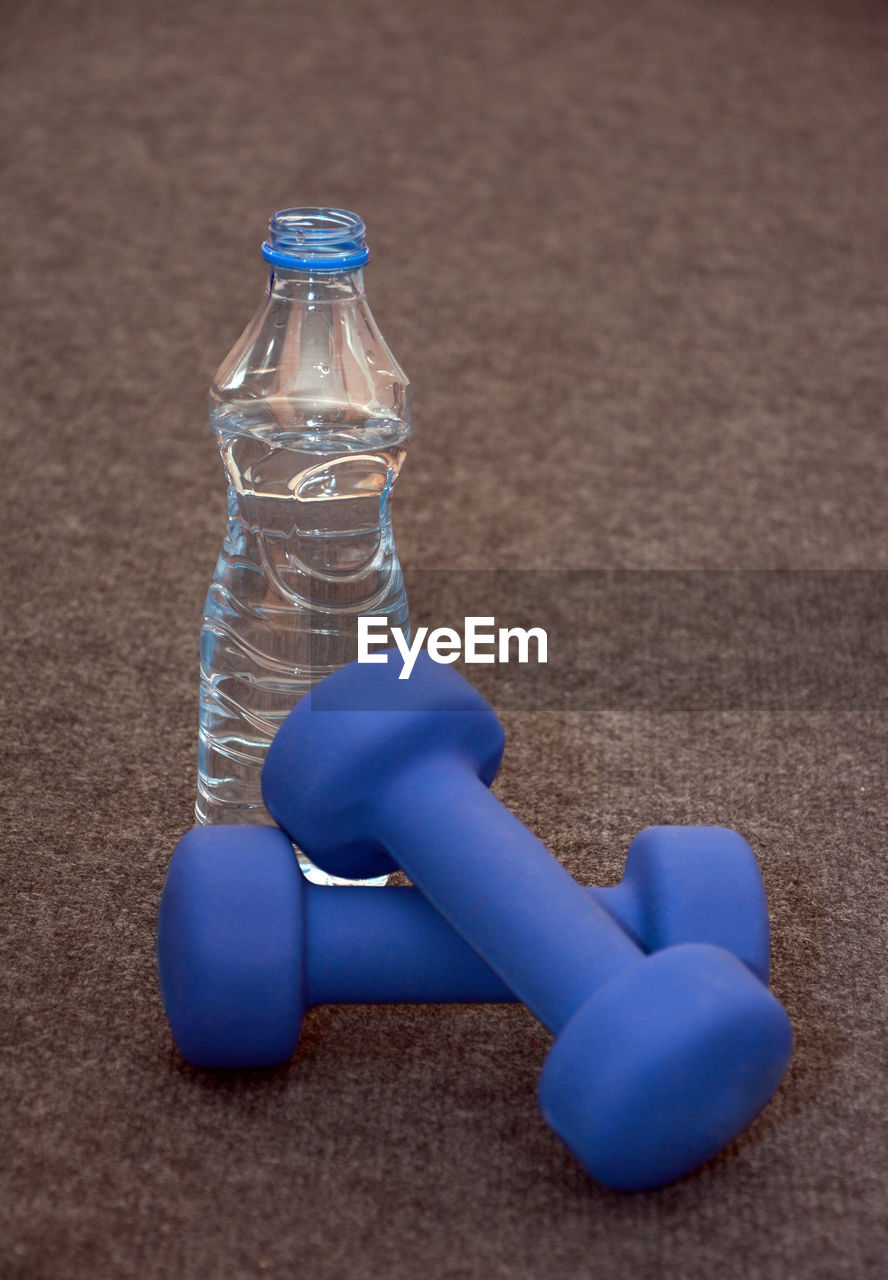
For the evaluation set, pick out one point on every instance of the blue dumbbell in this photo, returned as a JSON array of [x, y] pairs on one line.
[[660, 1060], [246, 944]]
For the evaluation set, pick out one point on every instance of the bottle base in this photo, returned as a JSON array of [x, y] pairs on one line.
[[258, 815]]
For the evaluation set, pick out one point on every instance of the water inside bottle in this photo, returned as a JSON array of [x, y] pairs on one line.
[[308, 548]]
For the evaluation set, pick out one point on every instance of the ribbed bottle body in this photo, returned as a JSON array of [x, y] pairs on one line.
[[308, 548]]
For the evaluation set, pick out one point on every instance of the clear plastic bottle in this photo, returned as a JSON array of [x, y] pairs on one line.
[[311, 415]]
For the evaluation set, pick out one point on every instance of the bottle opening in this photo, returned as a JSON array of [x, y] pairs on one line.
[[316, 240]]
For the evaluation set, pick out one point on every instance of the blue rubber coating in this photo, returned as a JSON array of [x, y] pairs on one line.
[[664, 1067], [368, 764], [341, 262], [246, 944], [448, 718], [390, 768], [696, 884], [230, 968]]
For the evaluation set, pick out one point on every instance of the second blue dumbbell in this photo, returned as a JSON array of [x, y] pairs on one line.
[[246, 944]]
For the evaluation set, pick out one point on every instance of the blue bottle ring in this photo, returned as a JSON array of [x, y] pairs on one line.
[[347, 262]]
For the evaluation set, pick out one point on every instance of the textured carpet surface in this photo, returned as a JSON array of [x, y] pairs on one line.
[[633, 258]]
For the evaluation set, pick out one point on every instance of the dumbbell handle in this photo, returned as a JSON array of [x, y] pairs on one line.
[[390, 946], [498, 886]]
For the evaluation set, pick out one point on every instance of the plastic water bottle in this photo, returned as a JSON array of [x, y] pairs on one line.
[[310, 411]]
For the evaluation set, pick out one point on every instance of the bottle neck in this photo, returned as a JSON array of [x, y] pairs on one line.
[[315, 287]]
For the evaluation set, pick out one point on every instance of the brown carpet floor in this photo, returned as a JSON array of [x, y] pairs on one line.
[[633, 259]]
